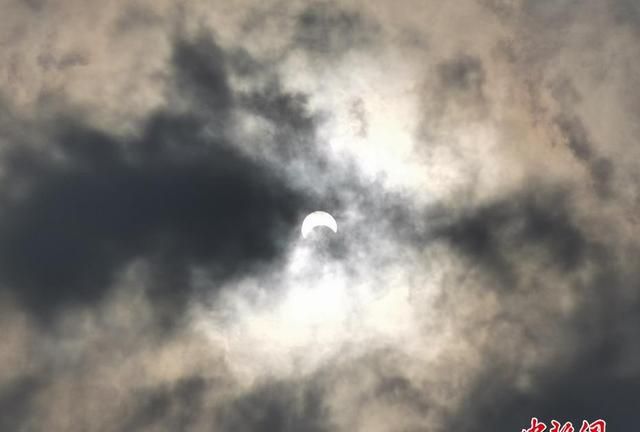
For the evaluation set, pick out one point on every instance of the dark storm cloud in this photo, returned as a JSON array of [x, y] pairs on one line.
[[588, 376], [497, 235], [174, 194], [587, 383], [325, 28]]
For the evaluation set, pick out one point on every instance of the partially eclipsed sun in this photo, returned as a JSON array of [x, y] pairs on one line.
[[316, 219]]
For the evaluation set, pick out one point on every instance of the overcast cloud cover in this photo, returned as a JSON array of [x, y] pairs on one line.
[[157, 159]]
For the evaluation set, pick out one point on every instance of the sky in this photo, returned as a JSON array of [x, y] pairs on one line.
[[157, 159]]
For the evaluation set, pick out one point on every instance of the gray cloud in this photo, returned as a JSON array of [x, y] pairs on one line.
[[277, 406], [155, 170], [626, 12], [577, 139], [173, 407], [15, 402], [171, 194], [464, 75], [326, 28]]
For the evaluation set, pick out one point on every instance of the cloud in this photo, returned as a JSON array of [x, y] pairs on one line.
[[327, 29], [464, 74], [626, 12], [588, 364], [175, 194], [176, 406], [520, 227], [157, 161], [15, 401], [277, 406], [600, 168]]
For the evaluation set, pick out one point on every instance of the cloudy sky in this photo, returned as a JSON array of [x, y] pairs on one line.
[[157, 159]]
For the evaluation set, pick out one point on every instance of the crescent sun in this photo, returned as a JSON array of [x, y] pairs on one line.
[[316, 219]]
